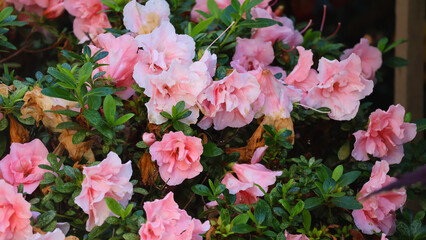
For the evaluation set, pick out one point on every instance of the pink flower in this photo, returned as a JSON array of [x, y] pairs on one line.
[[210, 60], [285, 33], [148, 138], [160, 49], [121, 59], [57, 234], [21, 165], [378, 212], [93, 26], [51, 8], [110, 178], [15, 214], [385, 136], [181, 82], [251, 54], [178, 157], [248, 175], [54, 9], [83, 8], [289, 236], [302, 76], [371, 57], [143, 19], [383, 237], [340, 89], [164, 220], [230, 101]]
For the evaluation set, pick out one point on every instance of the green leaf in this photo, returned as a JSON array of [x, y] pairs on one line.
[[313, 202], [395, 62], [94, 102], [69, 171], [179, 126], [347, 202], [53, 161], [262, 212], [201, 190], [240, 219], [382, 44], [166, 115], [98, 230], [131, 236], [236, 5], [421, 124], [45, 218], [102, 91], [140, 191], [251, 4], [7, 44], [58, 93], [5, 13], [19, 93], [114, 206], [322, 173], [344, 151], [201, 26], [3, 124], [211, 150], [128, 210], [337, 173], [124, 119], [329, 185], [69, 113], [258, 23], [243, 228], [348, 178], [306, 220], [113, 220], [79, 137], [69, 125], [396, 43], [213, 8], [110, 109], [85, 73], [65, 78], [92, 116]]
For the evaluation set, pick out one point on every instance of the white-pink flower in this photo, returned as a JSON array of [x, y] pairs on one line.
[[251, 54], [303, 76], [178, 157], [57, 234], [165, 220], [110, 178], [83, 8], [141, 19]]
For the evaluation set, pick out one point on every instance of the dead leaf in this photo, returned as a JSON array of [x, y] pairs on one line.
[[4, 89], [18, 133], [155, 129], [46, 190], [148, 169], [356, 235], [204, 138], [38, 230], [76, 151], [72, 238]]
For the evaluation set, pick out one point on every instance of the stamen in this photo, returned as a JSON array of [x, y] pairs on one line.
[[221, 35], [307, 26], [335, 32], [273, 3], [323, 17], [316, 110]]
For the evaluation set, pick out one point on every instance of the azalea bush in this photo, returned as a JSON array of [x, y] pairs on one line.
[[198, 120]]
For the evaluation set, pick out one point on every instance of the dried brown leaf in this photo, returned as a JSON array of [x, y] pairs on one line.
[[4, 89], [76, 151], [72, 238], [148, 169], [356, 235], [18, 134]]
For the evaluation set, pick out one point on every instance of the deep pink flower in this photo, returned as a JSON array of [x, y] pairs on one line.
[[340, 89], [165, 220], [148, 138], [57, 234], [285, 33], [122, 58], [229, 102], [93, 26], [110, 178], [83, 8], [21, 165], [143, 19], [54, 9], [378, 212], [289, 236], [15, 214], [303, 76], [178, 157], [251, 54], [385, 136], [371, 57]]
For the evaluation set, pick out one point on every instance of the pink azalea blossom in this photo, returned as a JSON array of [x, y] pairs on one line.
[[93, 26], [57, 234], [122, 58], [385, 136], [210, 60], [165, 220], [251, 54], [371, 57], [83, 8], [48, 8], [143, 19], [303, 76], [383, 237], [230, 101], [21, 165], [148, 138], [378, 212], [341, 87], [15, 214], [110, 178], [178, 157], [285, 33], [54, 9], [289, 236]]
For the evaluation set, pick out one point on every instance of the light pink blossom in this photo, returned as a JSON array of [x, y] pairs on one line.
[[303, 76], [21, 165], [15, 214], [385, 136], [285, 33], [57, 234], [110, 178], [289, 236], [165, 220], [229, 102], [83, 8], [383, 237], [48, 8], [143, 19], [122, 58], [148, 138], [178, 157], [210, 60], [341, 87], [92, 26], [371, 57], [378, 212], [251, 54]]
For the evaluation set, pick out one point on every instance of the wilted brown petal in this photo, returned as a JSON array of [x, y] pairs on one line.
[[76, 151], [4, 89], [148, 169], [18, 134]]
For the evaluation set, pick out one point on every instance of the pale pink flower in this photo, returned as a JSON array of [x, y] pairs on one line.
[[83, 8], [303, 76], [15, 214], [229, 102], [143, 19], [340, 89], [383, 237], [371, 57], [122, 58], [181, 82], [93, 26], [57, 234], [148, 138], [178, 157], [21, 165], [165, 220], [110, 178], [210, 60], [48, 8], [285, 33], [385, 136], [378, 212], [160, 49], [251, 54], [289, 236]]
